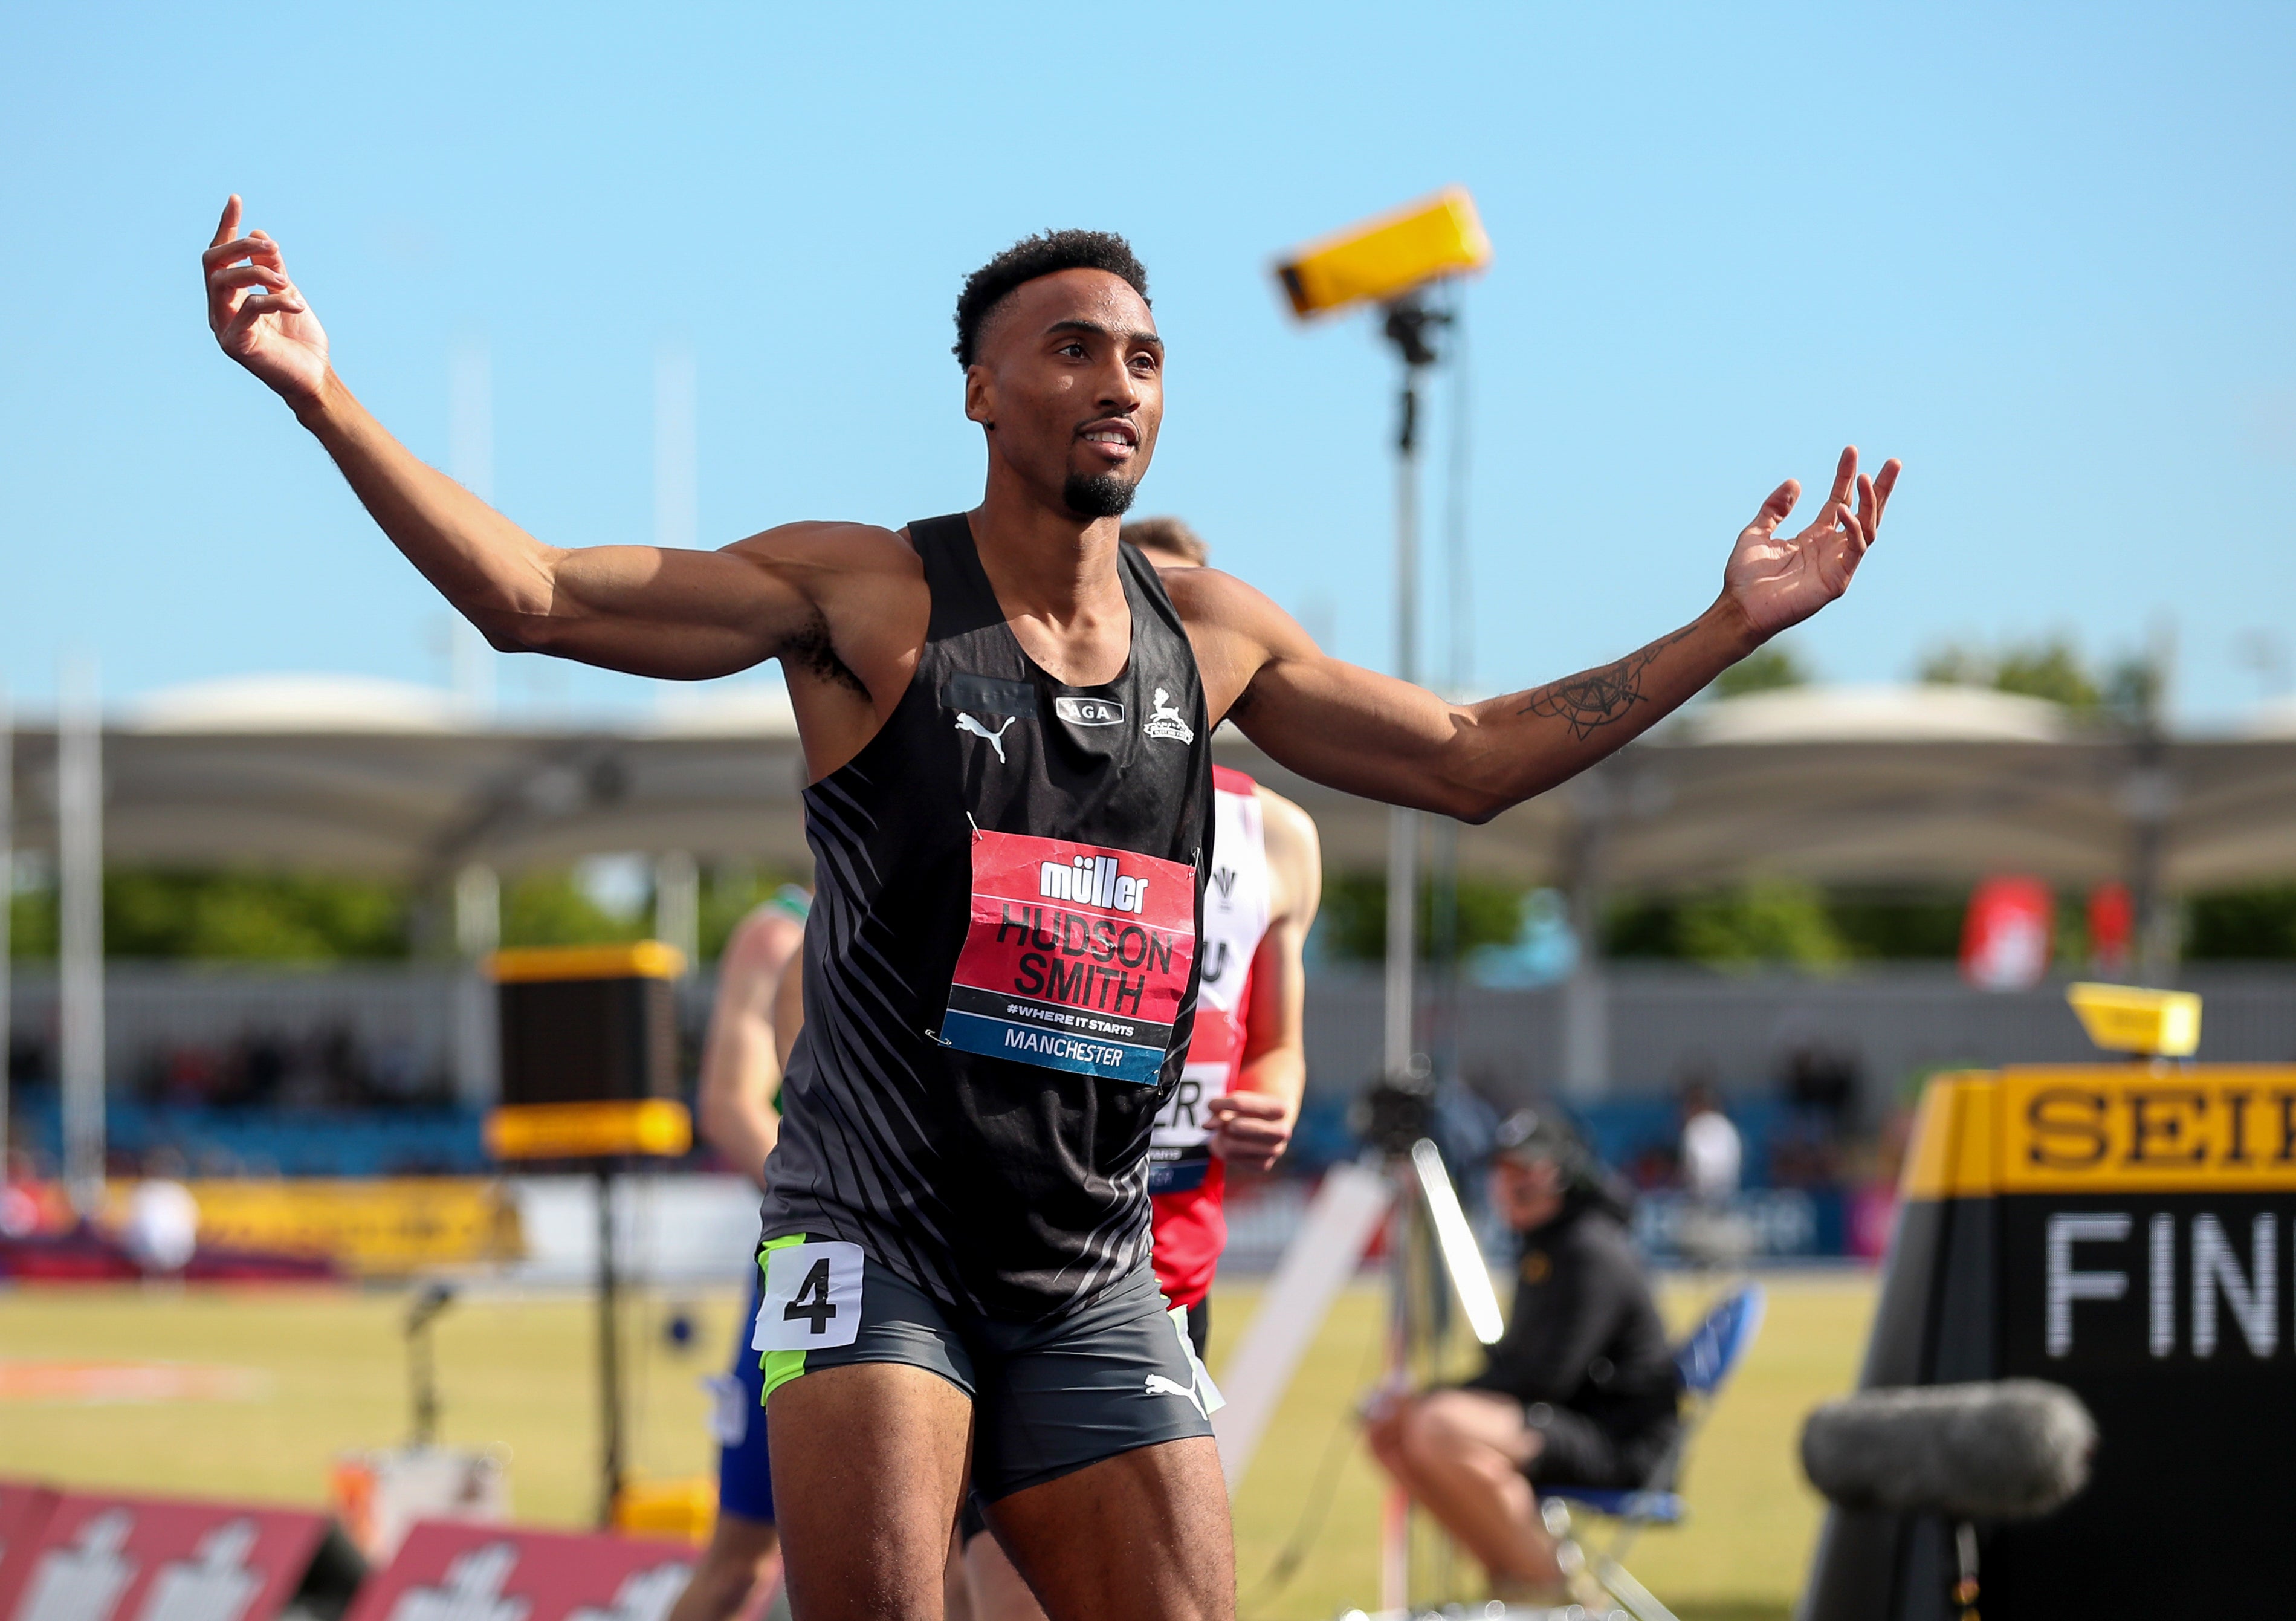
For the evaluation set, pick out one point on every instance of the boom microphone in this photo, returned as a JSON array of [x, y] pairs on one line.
[[2012, 1449]]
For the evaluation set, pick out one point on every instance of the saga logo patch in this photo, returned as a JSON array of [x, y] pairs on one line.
[[1088, 711], [1166, 721]]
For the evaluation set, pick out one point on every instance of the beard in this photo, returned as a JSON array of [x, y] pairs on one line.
[[1098, 494]]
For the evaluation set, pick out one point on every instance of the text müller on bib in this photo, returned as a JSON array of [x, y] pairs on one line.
[[1076, 956]]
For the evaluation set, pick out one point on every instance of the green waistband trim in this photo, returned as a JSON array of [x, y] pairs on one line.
[[779, 1367]]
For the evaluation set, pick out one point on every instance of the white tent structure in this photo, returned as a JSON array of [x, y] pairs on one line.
[[1871, 784]]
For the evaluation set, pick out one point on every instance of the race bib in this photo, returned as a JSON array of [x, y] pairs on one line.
[[812, 1299], [1076, 957], [1180, 1150]]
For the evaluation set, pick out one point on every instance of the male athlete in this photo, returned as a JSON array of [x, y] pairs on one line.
[[1006, 722], [1239, 1094]]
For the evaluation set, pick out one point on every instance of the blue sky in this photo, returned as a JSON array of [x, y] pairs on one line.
[[2041, 252]]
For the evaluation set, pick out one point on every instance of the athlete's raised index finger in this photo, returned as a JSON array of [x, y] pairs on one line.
[[229, 226]]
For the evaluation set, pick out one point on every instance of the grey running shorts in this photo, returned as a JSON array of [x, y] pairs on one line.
[[1049, 1398]]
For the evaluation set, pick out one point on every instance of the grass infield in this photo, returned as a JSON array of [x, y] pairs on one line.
[[312, 1372]]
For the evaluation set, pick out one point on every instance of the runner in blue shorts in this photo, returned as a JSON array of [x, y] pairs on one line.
[[741, 1074]]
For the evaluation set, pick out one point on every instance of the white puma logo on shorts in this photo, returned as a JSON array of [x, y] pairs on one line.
[[1157, 1385], [965, 723]]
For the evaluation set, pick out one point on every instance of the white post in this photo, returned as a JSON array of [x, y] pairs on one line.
[[1402, 939], [1403, 825], [1585, 995], [471, 460], [677, 902], [79, 845], [478, 930], [478, 911]]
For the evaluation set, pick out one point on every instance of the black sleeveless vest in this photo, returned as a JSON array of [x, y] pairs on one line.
[[1000, 973]]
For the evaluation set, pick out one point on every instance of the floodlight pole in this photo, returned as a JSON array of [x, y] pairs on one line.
[[1409, 321], [1408, 326], [612, 1464], [79, 893]]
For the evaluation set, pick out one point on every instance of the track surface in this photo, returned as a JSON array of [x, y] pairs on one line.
[[324, 1371]]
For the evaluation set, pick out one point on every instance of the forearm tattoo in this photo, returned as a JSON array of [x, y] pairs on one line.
[[1589, 702]]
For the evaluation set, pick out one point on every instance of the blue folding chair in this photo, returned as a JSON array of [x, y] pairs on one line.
[[1705, 1361]]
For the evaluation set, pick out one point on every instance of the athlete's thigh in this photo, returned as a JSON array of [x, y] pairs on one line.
[[869, 1390], [868, 1460], [1141, 1536], [1094, 1457]]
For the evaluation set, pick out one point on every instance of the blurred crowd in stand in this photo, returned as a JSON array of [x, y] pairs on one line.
[[1807, 1156], [329, 1068]]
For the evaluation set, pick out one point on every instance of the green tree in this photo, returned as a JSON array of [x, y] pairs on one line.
[[2243, 925], [2133, 688], [550, 909], [1643, 926], [1788, 922], [251, 917], [728, 894], [32, 923], [1898, 925], [1766, 669], [1351, 925], [1764, 920], [2050, 667]]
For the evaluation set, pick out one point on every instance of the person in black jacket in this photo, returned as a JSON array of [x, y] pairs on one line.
[[1581, 1389]]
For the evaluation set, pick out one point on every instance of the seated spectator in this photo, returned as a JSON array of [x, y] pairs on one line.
[[1581, 1389]]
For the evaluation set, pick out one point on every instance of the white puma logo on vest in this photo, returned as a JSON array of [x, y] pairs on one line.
[[965, 723]]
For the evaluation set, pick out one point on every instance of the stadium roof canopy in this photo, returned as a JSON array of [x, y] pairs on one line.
[[1859, 784]]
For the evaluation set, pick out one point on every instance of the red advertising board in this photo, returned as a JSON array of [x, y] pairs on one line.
[[155, 1559], [446, 1571], [24, 1509]]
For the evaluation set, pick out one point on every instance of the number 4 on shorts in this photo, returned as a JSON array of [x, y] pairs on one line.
[[812, 1299]]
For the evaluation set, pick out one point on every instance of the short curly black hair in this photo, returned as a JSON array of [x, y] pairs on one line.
[[1032, 257]]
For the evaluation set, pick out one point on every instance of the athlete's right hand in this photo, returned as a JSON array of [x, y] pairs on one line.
[[256, 315]]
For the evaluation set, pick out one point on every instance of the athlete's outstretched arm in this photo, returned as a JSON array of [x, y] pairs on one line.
[[1371, 735], [1251, 1126], [646, 609]]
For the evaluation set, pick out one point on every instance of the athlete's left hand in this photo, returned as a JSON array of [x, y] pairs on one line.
[[1250, 1128], [1777, 581], [257, 314]]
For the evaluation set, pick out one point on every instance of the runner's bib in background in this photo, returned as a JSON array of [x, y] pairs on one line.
[[1076, 957], [1235, 919]]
